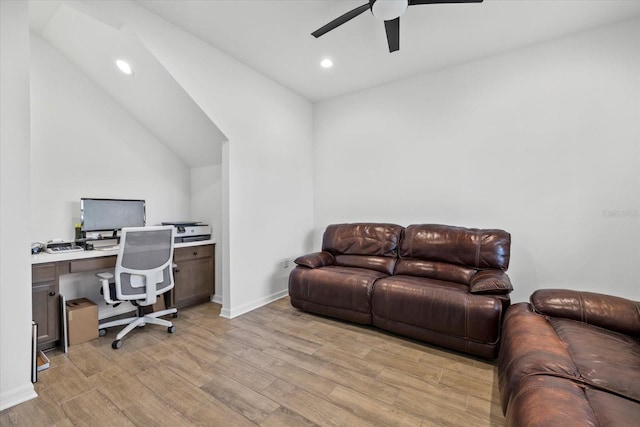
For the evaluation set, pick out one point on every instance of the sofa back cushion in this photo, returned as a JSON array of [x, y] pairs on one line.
[[363, 245], [605, 311], [466, 247]]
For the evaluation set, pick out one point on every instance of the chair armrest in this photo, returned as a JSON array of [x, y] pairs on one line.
[[491, 282], [104, 276], [315, 260], [106, 291], [605, 311]]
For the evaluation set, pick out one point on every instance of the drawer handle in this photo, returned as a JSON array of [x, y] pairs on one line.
[[52, 293], [176, 270], [195, 253]]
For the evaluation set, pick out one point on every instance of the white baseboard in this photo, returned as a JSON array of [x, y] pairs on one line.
[[13, 397], [217, 299], [250, 306]]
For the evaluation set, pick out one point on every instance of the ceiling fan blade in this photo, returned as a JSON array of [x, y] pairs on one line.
[[414, 2], [340, 20], [393, 34]]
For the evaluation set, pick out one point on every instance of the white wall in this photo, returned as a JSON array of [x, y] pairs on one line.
[[84, 144], [206, 207], [267, 164], [543, 142], [15, 267]]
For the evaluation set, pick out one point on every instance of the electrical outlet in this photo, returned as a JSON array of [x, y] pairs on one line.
[[285, 263]]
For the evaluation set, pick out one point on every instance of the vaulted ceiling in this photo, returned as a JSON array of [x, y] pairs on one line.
[[274, 36]]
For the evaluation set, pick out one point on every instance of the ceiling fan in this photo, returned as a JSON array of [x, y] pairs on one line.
[[387, 10]]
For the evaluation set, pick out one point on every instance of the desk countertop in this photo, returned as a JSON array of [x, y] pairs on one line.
[[45, 257]]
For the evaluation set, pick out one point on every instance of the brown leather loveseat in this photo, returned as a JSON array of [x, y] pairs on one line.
[[571, 358], [440, 284]]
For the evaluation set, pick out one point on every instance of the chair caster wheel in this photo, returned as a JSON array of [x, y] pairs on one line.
[[174, 315], [116, 344], [171, 329], [102, 332]]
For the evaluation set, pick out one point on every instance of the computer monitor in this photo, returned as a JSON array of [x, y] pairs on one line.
[[111, 214]]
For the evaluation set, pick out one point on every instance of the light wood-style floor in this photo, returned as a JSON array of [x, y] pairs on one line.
[[275, 366]]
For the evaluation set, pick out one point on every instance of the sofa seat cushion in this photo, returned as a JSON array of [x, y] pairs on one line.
[[346, 290], [407, 304], [604, 358], [568, 350], [544, 400]]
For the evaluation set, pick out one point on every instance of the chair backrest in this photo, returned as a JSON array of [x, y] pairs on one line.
[[144, 264]]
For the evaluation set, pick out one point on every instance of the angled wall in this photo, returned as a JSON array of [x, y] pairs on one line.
[[84, 144], [267, 162]]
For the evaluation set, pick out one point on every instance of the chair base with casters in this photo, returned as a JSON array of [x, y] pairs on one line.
[[140, 320]]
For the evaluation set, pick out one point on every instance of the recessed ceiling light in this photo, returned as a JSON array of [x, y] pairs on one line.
[[124, 66], [326, 63]]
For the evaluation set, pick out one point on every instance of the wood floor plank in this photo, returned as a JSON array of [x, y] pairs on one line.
[[490, 411], [155, 413], [193, 363], [244, 373], [284, 417], [357, 381], [284, 340], [364, 365], [309, 406], [40, 411], [309, 381], [415, 384], [94, 409], [190, 396], [274, 366], [460, 381], [382, 358], [372, 409], [64, 382], [247, 402], [121, 388]]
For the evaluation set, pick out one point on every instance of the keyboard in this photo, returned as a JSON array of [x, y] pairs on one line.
[[63, 249], [107, 248]]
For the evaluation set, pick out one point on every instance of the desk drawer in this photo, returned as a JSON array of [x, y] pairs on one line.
[[193, 252], [43, 273], [92, 264]]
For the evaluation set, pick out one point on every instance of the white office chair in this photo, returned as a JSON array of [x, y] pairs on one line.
[[144, 271]]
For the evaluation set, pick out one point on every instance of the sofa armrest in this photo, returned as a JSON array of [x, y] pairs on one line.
[[492, 282], [605, 311], [316, 259]]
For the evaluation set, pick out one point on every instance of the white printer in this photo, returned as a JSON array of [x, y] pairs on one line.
[[189, 231]]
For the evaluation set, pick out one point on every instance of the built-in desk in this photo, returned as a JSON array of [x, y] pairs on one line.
[[194, 279]]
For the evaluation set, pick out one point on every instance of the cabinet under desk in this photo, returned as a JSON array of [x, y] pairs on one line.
[[194, 278]]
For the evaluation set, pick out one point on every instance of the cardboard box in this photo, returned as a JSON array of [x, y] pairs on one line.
[[82, 320]]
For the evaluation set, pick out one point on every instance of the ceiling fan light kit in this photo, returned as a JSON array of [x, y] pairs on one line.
[[387, 10]]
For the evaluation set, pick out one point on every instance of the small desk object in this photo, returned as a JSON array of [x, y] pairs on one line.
[[193, 276]]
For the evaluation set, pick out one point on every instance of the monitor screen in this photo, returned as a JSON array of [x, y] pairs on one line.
[[111, 214]]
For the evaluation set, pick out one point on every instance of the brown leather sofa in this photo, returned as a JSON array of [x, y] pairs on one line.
[[571, 358], [436, 283]]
